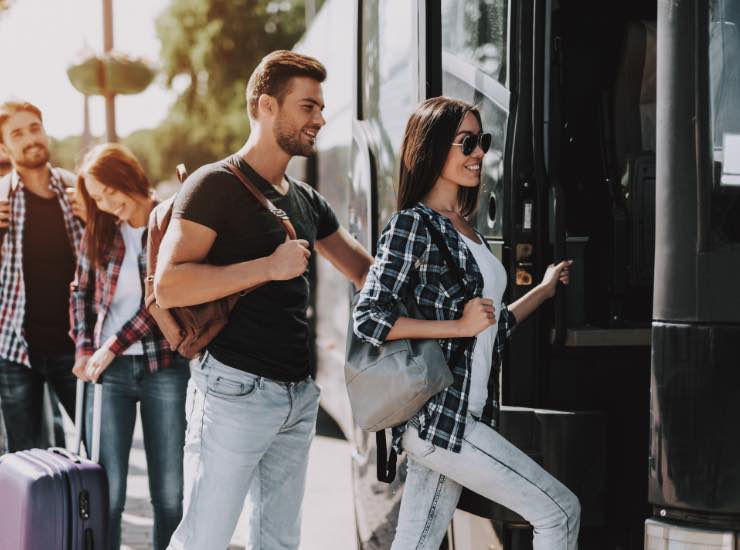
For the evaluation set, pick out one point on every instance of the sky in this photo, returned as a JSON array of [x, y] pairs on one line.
[[39, 39]]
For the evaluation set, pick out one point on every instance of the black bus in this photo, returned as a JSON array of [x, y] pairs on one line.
[[616, 142]]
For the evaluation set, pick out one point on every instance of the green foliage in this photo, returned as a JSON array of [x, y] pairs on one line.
[[214, 45], [111, 72], [66, 152], [161, 149]]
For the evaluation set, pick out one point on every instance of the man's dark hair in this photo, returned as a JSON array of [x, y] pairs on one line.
[[426, 144], [272, 75], [9, 108]]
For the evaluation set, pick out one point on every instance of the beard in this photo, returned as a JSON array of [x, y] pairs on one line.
[[33, 156], [288, 137]]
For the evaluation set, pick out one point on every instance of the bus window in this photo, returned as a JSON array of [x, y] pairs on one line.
[[724, 73], [474, 50], [388, 85], [489, 218], [477, 32], [388, 73]]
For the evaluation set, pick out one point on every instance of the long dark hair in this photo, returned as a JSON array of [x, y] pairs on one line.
[[426, 143], [114, 166]]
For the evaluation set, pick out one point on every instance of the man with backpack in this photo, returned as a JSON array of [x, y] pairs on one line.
[[252, 404]]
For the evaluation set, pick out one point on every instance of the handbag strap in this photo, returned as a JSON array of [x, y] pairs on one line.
[[281, 215], [439, 240], [386, 462]]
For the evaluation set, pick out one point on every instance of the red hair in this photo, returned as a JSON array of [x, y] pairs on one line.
[[116, 167]]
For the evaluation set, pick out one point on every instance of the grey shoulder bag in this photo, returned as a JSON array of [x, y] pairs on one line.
[[390, 383]]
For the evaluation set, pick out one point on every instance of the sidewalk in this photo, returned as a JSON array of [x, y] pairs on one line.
[[328, 513]]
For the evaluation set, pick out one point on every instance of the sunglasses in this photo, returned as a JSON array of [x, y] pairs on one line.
[[470, 141]]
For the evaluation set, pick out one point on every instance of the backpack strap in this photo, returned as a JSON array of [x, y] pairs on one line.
[[385, 461], [6, 190], [281, 215], [5, 187]]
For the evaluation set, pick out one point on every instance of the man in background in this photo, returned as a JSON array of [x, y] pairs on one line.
[[39, 239]]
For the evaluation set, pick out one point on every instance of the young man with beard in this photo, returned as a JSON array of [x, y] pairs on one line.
[[252, 403], [39, 238]]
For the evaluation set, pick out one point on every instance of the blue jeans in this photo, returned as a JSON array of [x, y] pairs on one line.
[[161, 396], [22, 396], [491, 466], [245, 434]]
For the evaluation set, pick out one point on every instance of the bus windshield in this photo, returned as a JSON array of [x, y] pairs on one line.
[[724, 70], [724, 76]]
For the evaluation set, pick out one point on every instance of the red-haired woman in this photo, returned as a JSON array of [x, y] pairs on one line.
[[115, 335]]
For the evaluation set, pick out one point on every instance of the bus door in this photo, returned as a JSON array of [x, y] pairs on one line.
[[595, 72], [488, 52], [568, 89]]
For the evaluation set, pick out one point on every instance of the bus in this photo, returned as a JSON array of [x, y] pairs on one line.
[[616, 142]]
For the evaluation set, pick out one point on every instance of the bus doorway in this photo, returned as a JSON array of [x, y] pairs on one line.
[[579, 182]]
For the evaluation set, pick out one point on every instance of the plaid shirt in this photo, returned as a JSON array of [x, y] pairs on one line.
[[13, 344], [92, 295], [409, 263]]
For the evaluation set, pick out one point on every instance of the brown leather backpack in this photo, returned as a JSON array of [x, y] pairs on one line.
[[189, 329]]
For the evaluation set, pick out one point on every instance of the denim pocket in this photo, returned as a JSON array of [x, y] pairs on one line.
[[315, 385], [227, 388], [470, 425]]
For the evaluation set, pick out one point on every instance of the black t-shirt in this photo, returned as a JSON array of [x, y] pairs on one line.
[[48, 269], [267, 333]]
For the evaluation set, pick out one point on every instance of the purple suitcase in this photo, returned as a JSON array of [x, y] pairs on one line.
[[54, 499]]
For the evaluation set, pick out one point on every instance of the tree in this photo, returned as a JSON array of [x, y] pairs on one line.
[[66, 152], [216, 44]]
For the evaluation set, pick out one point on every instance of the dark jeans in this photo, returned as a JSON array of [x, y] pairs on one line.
[[22, 396], [161, 397]]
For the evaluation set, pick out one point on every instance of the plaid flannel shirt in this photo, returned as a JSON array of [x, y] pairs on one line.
[[13, 344], [91, 298], [408, 263]]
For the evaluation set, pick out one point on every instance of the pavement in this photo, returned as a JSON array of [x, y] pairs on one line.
[[328, 513]]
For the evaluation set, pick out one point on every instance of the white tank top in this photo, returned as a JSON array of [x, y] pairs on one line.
[[127, 298], [494, 284]]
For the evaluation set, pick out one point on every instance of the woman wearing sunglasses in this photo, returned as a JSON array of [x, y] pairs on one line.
[[452, 441]]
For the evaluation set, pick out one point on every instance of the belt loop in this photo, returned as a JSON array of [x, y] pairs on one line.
[[260, 382]]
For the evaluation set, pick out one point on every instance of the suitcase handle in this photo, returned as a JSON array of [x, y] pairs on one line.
[[66, 454], [94, 450]]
